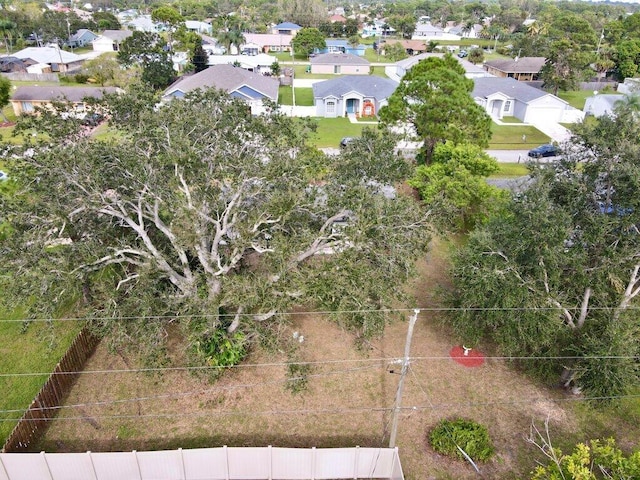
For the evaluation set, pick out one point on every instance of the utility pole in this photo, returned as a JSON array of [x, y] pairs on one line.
[[403, 373]]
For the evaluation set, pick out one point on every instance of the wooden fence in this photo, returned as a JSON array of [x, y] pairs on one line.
[[51, 396]]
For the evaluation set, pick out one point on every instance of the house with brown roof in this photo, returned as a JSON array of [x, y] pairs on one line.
[[251, 87], [26, 99], [269, 42], [339, 63], [412, 47], [523, 69]]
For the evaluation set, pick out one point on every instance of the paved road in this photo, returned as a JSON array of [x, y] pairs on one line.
[[516, 156]]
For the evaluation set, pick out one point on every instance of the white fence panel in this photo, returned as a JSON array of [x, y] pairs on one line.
[[205, 464], [25, 466], [292, 463], [115, 466], [154, 465], [82, 467], [335, 463], [374, 462], [249, 463], [239, 463]]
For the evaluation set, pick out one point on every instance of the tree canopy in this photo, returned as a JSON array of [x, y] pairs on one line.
[[199, 210], [434, 97], [557, 275], [147, 50], [308, 39]]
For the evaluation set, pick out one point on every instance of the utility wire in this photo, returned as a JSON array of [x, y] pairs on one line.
[[312, 363], [319, 312], [333, 411]]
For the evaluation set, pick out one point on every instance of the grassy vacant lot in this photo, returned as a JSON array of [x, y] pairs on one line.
[[332, 130], [508, 137], [346, 402], [36, 348]]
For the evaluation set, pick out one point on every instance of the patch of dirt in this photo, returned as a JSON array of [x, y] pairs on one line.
[[347, 402], [7, 124]]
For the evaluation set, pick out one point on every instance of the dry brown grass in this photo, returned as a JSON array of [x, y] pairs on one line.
[[345, 404]]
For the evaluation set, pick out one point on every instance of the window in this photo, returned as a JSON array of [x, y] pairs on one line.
[[507, 106], [331, 107], [27, 106]]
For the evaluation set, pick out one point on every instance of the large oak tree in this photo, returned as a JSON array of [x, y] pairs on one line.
[[198, 209]]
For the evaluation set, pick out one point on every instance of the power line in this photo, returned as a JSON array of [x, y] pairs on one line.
[[312, 363], [192, 392], [314, 312], [331, 411]]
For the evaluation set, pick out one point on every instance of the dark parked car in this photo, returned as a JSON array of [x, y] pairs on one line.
[[92, 119], [547, 150], [346, 141]]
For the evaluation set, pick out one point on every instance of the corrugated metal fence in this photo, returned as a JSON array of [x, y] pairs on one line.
[[222, 463], [44, 407]]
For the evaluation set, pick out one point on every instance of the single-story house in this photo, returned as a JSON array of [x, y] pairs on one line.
[[144, 23], [377, 28], [399, 69], [412, 47], [427, 31], [81, 38], [11, 64], [525, 69], [285, 28], [602, 104], [253, 63], [337, 19], [339, 45], [251, 87], [198, 27], [460, 30], [110, 40], [352, 94], [340, 63], [25, 99], [269, 42], [507, 97], [629, 85], [49, 59]]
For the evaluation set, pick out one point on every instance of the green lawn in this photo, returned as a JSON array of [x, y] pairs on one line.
[[37, 348], [371, 55], [510, 120], [510, 170], [332, 130], [576, 98], [508, 137], [304, 96]]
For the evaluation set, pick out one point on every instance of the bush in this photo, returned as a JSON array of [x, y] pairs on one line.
[[220, 349], [82, 78], [470, 436]]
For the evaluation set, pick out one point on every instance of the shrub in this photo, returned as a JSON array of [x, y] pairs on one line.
[[81, 78], [220, 349], [470, 436]]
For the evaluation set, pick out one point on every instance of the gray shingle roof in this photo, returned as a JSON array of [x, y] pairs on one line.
[[338, 59], [117, 35], [369, 86], [71, 94], [227, 78], [485, 86], [522, 65]]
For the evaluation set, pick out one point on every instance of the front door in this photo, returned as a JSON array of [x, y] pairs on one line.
[[352, 105]]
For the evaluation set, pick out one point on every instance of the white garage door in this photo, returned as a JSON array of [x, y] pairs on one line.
[[543, 114]]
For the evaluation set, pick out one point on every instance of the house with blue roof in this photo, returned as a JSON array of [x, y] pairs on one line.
[[357, 95], [339, 45], [285, 28], [253, 88]]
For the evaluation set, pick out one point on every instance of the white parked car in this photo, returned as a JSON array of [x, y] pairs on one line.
[[3, 176]]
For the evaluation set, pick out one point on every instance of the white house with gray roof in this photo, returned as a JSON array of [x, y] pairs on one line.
[[502, 97], [603, 104], [251, 87], [110, 40], [352, 94], [398, 70], [339, 63], [49, 59]]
